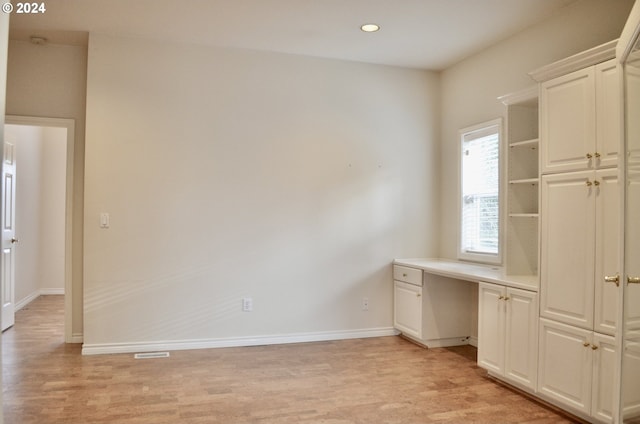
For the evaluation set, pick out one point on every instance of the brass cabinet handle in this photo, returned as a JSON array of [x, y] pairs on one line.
[[507, 298], [14, 240], [589, 183], [589, 156], [633, 280], [586, 344], [594, 347], [404, 274], [597, 155], [596, 183], [501, 298], [612, 279], [418, 295]]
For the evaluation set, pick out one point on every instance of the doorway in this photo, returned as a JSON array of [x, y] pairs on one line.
[[44, 205]]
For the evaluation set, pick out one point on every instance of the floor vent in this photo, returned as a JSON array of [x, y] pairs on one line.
[[151, 355]]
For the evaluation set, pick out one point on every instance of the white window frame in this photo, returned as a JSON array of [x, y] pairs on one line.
[[481, 130]]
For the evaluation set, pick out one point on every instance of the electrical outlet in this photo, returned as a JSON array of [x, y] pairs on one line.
[[247, 304], [365, 303]]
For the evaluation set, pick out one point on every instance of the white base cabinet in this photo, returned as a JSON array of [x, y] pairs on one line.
[[631, 385], [507, 333], [433, 310], [576, 369], [407, 308]]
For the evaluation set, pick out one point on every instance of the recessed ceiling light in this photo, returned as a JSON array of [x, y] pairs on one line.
[[370, 27]]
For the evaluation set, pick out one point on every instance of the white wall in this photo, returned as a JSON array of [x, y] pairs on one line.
[[40, 209], [470, 88], [231, 173], [50, 81]]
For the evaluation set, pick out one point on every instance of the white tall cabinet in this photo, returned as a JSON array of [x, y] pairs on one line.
[[580, 248], [580, 201]]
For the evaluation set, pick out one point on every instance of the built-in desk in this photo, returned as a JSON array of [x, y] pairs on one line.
[[440, 302], [471, 272]]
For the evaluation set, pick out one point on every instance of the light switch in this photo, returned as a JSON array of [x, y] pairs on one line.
[[104, 220]]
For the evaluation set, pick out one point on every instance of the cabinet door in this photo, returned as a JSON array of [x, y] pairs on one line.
[[567, 122], [407, 308], [630, 385], [491, 327], [521, 337], [608, 113], [608, 230], [565, 365], [604, 366], [567, 248]]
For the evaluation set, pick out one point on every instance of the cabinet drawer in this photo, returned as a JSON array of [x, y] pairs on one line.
[[408, 275]]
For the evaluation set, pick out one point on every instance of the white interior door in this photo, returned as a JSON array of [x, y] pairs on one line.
[[9, 240]]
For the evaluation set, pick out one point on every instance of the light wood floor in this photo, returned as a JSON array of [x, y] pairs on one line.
[[379, 380]]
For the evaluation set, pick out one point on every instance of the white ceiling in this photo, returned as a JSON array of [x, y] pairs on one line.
[[428, 34]]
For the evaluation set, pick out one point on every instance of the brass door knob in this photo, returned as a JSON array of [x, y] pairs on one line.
[[612, 279], [633, 280]]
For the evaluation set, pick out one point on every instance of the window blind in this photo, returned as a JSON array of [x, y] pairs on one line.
[[480, 191]]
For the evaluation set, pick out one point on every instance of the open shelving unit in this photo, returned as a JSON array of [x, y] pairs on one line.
[[523, 184]]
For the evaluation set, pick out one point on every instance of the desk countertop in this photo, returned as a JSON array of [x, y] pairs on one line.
[[471, 272]]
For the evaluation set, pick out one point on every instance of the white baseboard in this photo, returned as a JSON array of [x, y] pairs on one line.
[[473, 341], [33, 296], [106, 348], [24, 302]]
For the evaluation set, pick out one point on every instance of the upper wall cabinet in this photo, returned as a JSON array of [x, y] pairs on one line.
[[580, 111], [580, 119], [567, 121]]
